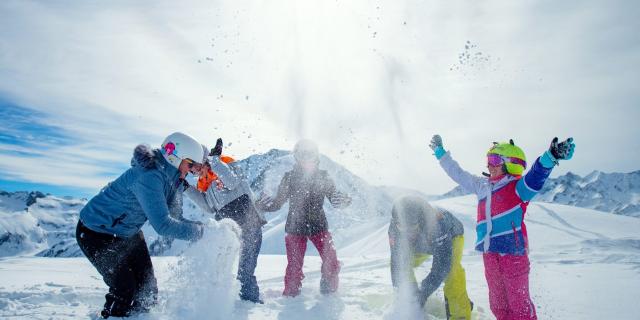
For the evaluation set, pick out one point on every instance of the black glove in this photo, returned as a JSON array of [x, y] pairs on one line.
[[563, 150], [217, 150], [436, 142]]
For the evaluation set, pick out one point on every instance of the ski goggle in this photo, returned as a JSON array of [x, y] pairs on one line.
[[495, 160], [193, 165]]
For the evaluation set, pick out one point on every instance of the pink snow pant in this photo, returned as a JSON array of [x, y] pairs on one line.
[[296, 248], [508, 280]]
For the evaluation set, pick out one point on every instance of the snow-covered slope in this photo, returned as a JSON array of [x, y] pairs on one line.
[[584, 265], [618, 193]]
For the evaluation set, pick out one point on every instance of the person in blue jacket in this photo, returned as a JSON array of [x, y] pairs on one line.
[[108, 231]]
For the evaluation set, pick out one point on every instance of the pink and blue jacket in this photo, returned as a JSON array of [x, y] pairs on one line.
[[504, 201]]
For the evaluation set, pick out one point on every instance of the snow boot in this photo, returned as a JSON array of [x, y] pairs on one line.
[[251, 298], [327, 286], [446, 307], [115, 307], [143, 305], [291, 293], [249, 290]]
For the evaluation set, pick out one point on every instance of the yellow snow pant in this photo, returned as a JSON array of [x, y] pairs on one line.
[[455, 285]]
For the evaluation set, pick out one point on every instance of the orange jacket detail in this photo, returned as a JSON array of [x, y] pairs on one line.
[[210, 177]]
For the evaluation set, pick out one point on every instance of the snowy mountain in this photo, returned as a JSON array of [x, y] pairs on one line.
[[370, 207], [44, 225], [34, 223], [617, 193], [15, 201]]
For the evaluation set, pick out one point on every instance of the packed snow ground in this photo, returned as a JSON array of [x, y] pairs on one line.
[[585, 265]]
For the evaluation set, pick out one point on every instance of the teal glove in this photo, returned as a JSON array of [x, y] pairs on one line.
[[558, 151], [436, 146]]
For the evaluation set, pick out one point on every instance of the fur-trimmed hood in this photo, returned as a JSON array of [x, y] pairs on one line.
[[144, 156]]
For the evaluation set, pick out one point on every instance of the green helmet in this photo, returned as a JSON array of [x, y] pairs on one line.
[[515, 161]]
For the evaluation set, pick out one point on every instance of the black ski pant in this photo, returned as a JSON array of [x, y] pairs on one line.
[[243, 213], [125, 266]]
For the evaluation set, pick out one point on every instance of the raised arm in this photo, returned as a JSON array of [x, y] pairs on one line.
[[534, 180], [465, 179]]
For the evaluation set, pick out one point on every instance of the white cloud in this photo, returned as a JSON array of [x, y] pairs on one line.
[[371, 82]]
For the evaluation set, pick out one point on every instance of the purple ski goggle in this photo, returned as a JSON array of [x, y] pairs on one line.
[[495, 160]]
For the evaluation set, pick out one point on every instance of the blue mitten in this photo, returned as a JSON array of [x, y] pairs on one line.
[[558, 151], [436, 146]]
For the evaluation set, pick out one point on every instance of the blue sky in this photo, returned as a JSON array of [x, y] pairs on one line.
[[26, 127], [28, 136], [81, 84]]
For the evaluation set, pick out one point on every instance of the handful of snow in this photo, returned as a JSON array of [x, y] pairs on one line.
[[204, 280], [405, 306]]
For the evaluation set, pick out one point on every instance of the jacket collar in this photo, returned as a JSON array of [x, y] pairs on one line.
[[502, 182]]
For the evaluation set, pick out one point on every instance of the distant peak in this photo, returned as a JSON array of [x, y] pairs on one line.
[[572, 175], [278, 151], [595, 174]]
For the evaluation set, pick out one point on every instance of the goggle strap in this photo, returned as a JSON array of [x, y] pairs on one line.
[[494, 157]]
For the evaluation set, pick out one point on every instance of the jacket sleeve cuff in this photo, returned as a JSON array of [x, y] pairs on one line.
[[439, 152], [547, 160]]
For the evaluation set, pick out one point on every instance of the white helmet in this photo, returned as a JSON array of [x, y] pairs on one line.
[[179, 146], [305, 149]]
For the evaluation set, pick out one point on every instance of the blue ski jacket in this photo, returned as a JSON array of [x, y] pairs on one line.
[[150, 190]]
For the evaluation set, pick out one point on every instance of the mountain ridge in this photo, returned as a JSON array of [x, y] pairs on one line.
[[41, 224]]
